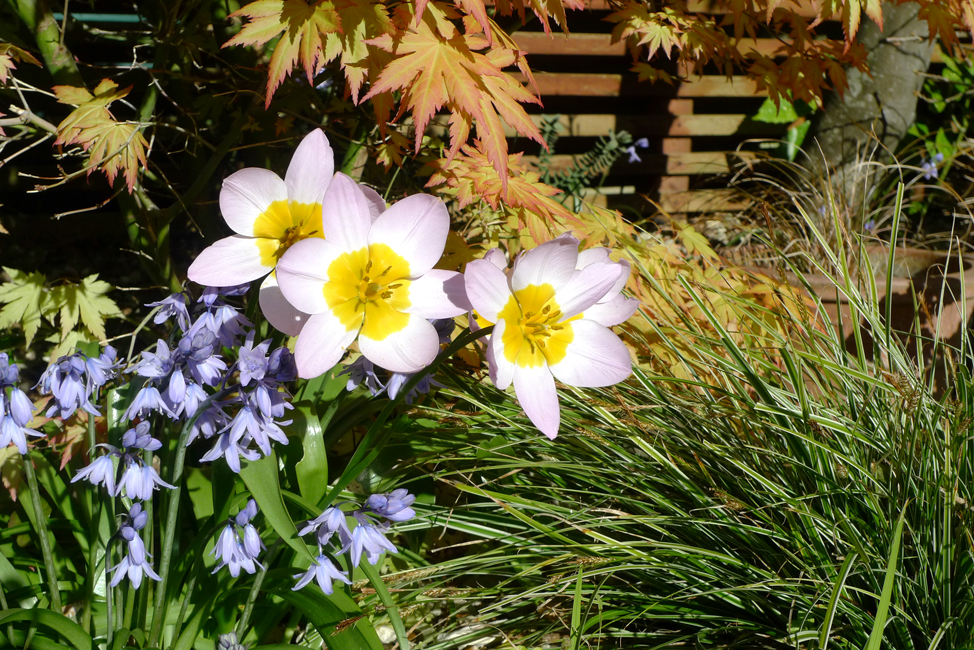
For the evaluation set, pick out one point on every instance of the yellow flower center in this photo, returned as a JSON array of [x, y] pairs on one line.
[[534, 331], [282, 225], [369, 287]]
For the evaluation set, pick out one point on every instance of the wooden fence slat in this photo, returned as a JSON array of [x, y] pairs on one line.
[[701, 201], [595, 125], [570, 84], [677, 164]]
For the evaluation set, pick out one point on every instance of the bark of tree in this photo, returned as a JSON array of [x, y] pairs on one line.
[[871, 120]]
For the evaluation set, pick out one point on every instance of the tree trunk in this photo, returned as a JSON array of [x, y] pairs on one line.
[[869, 122]]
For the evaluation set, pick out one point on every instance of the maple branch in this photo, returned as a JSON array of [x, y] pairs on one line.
[[58, 59], [27, 117]]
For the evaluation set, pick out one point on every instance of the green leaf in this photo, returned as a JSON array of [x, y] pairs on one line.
[[23, 296], [71, 631], [312, 469], [324, 612], [794, 138], [372, 573], [879, 623], [262, 479], [94, 305], [771, 114]]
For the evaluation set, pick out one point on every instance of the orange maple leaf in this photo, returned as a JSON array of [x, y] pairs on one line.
[[114, 146], [300, 27], [436, 66], [471, 176]]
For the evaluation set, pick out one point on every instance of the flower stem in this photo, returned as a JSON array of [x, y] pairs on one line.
[[258, 581], [95, 516], [172, 518], [35, 497]]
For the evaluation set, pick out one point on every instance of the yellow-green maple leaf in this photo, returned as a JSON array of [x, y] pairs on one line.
[[24, 296], [300, 27], [113, 146], [10, 53]]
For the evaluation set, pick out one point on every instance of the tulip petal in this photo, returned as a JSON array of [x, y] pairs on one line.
[[551, 263], [501, 370], [281, 314], [612, 312], [592, 256], [496, 257], [321, 345], [487, 288], [410, 349], [230, 261], [587, 287], [377, 204], [596, 357], [311, 170], [438, 294], [416, 228], [247, 194], [535, 389], [346, 214], [303, 271]]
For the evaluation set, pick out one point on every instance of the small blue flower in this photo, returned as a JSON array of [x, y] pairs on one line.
[[139, 437], [11, 432], [329, 522], [869, 226], [139, 480], [198, 353], [229, 641], [929, 167], [235, 553], [9, 373], [641, 143], [147, 400], [359, 371], [102, 368], [394, 505], [230, 450], [65, 380], [324, 572], [136, 561], [20, 408], [101, 471], [368, 539], [176, 305]]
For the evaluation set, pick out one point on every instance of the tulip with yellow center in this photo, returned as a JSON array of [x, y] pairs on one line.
[[550, 313], [269, 215], [373, 281]]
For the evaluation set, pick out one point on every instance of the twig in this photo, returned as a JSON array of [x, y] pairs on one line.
[[27, 117]]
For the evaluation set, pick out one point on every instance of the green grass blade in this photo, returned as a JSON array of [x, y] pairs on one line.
[[882, 610]]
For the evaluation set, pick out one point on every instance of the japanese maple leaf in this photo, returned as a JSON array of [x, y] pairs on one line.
[[300, 27], [941, 22], [655, 30], [10, 53], [361, 21], [471, 176], [113, 146], [433, 70]]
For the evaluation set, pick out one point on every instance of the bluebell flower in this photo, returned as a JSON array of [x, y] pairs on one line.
[[230, 450], [20, 407], [100, 471], [444, 328], [324, 572], [368, 538], [11, 432], [155, 365], [929, 167], [140, 437], [281, 367], [135, 563], [229, 641], [221, 319], [641, 143], [198, 352], [209, 423], [329, 522], [869, 225], [139, 480], [176, 305], [66, 381], [394, 506], [252, 361], [102, 368], [237, 553], [147, 400], [9, 372], [362, 370]]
